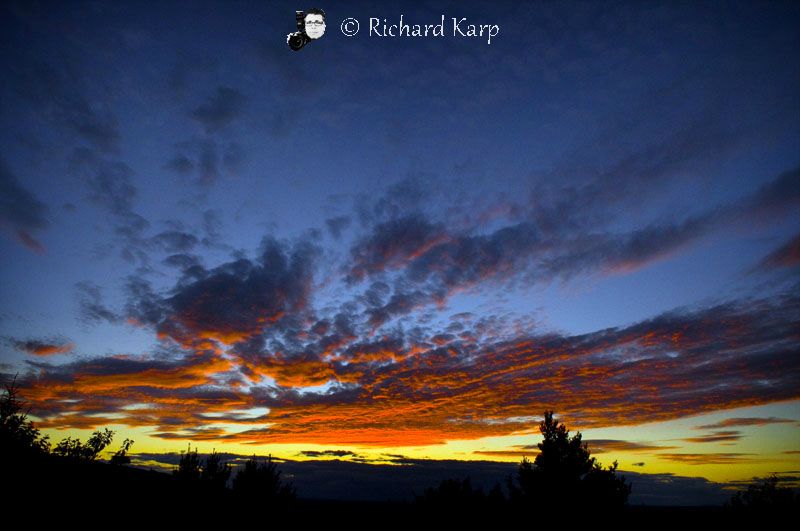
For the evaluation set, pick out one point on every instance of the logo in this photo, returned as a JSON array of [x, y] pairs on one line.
[[310, 27]]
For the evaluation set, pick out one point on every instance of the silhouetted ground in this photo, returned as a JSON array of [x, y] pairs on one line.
[[57, 490]]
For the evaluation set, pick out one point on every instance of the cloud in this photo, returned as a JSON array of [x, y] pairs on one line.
[[393, 244], [787, 255], [110, 185], [43, 348], [725, 458], [21, 213], [173, 241], [57, 90], [328, 453], [221, 109], [207, 158], [717, 436], [743, 421], [405, 388], [91, 306], [182, 261], [180, 164], [163, 391], [337, 225], [432, 260], [776, 198], [507, 453], [604, 446], [231, 302]]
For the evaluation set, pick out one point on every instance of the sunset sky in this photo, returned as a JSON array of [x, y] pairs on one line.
[[407, 246]]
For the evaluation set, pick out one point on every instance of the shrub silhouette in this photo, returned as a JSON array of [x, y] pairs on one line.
[[120, 457], [18, 435], [460, 496], [215, 473], [88, 451], [765, 495], [564, 473], [209, 475], [189, 468], [453, 492], [262, 481]]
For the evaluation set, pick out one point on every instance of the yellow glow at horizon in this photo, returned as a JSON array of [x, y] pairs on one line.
[[764, 445]]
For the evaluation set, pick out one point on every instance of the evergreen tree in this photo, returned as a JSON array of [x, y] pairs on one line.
[[564, 473]]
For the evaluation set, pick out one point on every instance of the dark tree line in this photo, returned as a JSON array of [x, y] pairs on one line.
[[74, 465], [257, 480]]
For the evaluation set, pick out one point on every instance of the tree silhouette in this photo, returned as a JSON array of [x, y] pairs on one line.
[[262, 481], [565, 473]]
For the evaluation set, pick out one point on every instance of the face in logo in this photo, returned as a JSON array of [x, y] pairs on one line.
[[314, 25]]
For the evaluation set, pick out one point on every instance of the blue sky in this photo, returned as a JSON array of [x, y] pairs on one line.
[[194, 214]]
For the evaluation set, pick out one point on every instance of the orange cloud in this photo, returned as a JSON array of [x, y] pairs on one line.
[[403, 393], [42, 348]]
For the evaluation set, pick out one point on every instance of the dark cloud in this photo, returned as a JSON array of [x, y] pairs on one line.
[[206, 158], [611, 252], [180, 164], [221, 109], [182, 261], [57, 91], [337, 225], [433, 261], [173, 241], [91, 306], [602, 446], [21, 213], [233, 301], [328, 453], [400, 303], [785, 256], [717, 436], [393, 244], [110, 186], [775, 198], [144, 306], [400, 198], [375, 295]]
